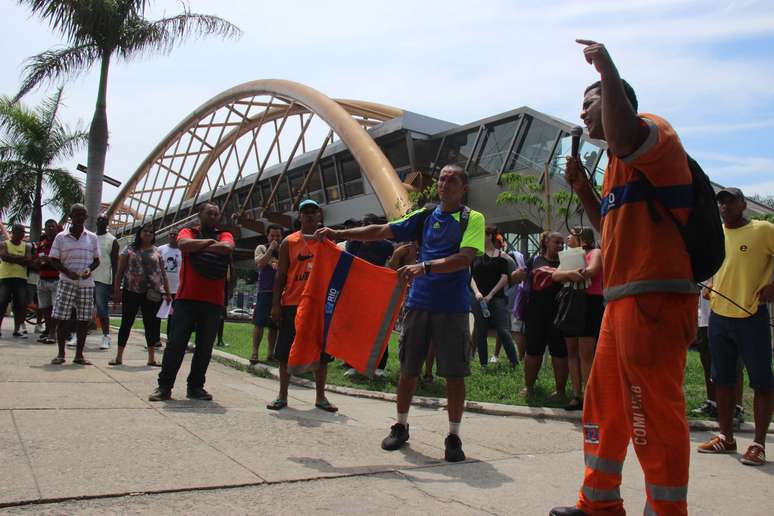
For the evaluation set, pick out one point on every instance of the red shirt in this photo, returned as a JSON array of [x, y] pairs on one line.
[[195, 287], [42, 249]]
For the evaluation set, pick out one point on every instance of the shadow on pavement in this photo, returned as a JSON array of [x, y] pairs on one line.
[[311, 418], [186, 405]]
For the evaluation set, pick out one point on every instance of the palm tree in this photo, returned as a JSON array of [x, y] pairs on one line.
[[97, 30], [32, 142]]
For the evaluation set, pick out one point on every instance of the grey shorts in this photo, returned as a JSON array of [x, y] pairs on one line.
[[450, 335], [47, 292]]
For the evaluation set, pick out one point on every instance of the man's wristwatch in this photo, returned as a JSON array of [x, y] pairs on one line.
[[427, 266]]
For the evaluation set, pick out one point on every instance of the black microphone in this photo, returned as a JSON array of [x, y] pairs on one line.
[[576, 133]]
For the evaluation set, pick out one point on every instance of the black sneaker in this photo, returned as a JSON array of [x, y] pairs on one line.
[[707, 408], [198, 393], [160, 395], [566, 511], [399, 434], [738, 418], [453, 451]]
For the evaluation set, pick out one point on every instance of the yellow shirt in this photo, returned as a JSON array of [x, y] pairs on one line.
[[13, 270], [746, 270]]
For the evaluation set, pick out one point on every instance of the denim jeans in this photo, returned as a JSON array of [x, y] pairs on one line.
[[500, 320], [190, 316]]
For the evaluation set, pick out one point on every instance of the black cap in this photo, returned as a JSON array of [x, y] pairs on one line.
[[733, 192]]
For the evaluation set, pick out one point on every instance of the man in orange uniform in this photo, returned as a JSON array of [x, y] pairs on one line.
[[635, 392], [296, 255]]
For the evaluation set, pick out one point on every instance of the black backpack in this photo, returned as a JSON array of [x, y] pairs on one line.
[[703, 233], [425, 214]]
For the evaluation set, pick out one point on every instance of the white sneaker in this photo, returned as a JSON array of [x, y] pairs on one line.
[[493, 360], [105, 344], [350, 372], [379, 372], [23, 328], [71, 341]]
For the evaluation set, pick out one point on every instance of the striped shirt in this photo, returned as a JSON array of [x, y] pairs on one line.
[[76, 254]]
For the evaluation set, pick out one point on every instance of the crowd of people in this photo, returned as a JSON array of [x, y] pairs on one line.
[[617, 324]]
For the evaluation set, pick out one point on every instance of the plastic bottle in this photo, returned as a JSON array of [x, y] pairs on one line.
[[485, 309]]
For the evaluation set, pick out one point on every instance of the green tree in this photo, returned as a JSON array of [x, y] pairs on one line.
[[525, 192], [96, 31], [32, 142]]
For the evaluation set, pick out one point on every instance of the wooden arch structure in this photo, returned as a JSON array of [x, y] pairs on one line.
[[233, 138]]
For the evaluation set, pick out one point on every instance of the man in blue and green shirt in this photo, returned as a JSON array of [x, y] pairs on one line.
[[438, 304]]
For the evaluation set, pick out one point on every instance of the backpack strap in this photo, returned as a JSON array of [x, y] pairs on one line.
[[655, 216], [464, 219], [425, 215]]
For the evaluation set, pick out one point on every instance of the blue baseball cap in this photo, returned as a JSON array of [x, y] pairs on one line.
[[308, 202]]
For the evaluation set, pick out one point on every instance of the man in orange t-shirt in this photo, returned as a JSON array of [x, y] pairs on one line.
[[296, 253], [635, 391]]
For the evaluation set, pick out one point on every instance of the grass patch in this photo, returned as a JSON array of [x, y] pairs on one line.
[[499, 383]]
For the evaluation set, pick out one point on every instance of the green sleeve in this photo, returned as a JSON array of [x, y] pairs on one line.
[[474, 234]]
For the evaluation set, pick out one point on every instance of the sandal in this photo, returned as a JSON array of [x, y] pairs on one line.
[[154, 364], [57, 361], [115, 362], [277, 404], [253, 361], [81, 361], [326, 406]]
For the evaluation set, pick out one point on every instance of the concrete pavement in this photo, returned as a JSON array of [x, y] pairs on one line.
[[85, 440]]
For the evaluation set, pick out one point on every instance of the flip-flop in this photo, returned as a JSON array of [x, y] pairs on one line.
[[154, 364], [81, 361], [57, 361], [115, 362], [277, 404], [326, 406]]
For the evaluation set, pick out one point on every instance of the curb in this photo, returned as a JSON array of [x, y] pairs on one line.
[[478, 407]]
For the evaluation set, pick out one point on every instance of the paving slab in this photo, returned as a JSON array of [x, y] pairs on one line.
[[97, 452], [300, 443], [381, 493], [90, 432], [66, 395], [17, 482]]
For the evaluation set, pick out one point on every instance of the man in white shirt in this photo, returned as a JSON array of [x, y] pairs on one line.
[[172, 257], [103, 277], [75, 254]]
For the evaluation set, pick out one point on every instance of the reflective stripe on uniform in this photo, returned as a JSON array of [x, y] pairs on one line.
[[611, 467], [675, 286], [668, 493], [601, 495]]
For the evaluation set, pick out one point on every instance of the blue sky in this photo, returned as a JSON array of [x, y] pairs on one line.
[[707, 66]]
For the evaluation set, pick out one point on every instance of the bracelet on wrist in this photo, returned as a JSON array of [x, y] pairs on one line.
[[427, 266]]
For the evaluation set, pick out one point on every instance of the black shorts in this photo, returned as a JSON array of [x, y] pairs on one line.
[[540, 331], [595, 310], [262, 310], [702, 339], [450, 336], [14, 289], [287, 334]]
